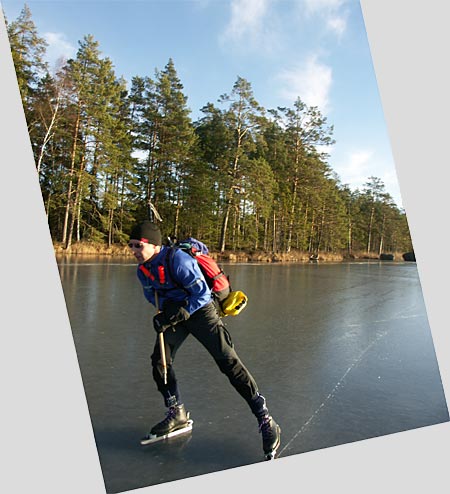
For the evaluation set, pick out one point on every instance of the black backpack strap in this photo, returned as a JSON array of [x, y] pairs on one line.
[[169, 264]]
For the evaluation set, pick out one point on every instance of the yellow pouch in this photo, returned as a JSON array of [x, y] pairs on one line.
[[234, 304]]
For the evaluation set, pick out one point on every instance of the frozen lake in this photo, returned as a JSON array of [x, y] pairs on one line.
[[342, 352]]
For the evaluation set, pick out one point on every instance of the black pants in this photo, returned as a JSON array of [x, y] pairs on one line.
[[206, 326]]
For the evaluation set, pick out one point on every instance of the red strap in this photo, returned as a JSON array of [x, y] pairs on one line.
[[162, 275], [146, 272]]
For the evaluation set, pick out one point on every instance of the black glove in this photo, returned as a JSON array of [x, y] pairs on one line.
[[175, 312], [160, 322]]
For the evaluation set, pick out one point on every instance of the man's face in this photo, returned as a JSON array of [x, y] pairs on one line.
[[142, 251]]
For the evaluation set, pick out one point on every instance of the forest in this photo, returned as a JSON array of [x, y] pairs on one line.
[[240, 178]]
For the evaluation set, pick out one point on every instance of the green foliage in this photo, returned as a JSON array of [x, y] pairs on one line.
[[240, 177], [27, 50]]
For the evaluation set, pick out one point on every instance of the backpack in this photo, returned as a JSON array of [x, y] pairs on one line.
[[229, 302], [215, 278]]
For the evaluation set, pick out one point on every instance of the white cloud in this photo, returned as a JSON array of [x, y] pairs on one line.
[[58, 48], [321, 5], [247, 18], [359, 165], [332, 12], [356, 169], [249, 26], [390, 180], [311, 81], [337, 24]]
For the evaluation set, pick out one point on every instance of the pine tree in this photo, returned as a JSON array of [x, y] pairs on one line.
[[213, 153], [176, 142], [165, 139], [93, 100], [305, 131], [242, 117], [111, 169], [27, 50], [374, 191]]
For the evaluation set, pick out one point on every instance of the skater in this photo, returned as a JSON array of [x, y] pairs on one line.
[[185, 306]]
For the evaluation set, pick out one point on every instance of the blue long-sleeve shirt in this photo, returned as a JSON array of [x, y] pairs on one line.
[[189, 283]]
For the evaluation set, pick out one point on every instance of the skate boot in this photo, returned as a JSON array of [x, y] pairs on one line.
[[176, 422], [270, 431]]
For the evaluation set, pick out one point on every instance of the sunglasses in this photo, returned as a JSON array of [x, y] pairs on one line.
[[135, 245]]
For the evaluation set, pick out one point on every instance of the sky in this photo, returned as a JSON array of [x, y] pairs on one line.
[[313, 49]]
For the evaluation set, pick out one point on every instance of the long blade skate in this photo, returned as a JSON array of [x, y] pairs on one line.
[[272, 455], [152, 438], [271, 432]]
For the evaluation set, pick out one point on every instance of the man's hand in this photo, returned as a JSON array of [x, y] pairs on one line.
[[175, 312], [160, 323]]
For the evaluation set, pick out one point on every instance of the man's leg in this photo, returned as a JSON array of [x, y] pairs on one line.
[[172, 342], [206, 326], [176, 419]]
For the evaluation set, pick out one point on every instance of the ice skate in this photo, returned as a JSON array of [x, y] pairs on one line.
[[177, 422], [270, 431]]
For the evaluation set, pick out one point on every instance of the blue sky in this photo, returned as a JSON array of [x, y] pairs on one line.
[[315, 49]]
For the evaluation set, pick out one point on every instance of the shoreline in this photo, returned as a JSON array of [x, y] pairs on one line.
[[116, 250]]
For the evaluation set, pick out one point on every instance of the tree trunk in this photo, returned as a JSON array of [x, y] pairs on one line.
[[71, 173], [294, 195], [321, 228], [224, 227], [291, 219], [274, 233], [311, 233], [177, 220], [380, 250], [110, 226], [369, 232], [349, 237], [266, 234], [76, 205], [47, 137], [256, 230]]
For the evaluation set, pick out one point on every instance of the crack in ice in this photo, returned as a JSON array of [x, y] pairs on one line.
[[333, 392]]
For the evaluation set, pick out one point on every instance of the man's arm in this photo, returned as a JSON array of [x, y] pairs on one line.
[[190, 277]]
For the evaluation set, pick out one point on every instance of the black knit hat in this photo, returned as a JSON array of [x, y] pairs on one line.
[[146, 232]]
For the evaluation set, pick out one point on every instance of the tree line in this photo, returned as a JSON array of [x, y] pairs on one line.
[[239, 177]]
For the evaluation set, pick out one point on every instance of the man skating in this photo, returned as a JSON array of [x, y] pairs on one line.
[[185, 305]]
